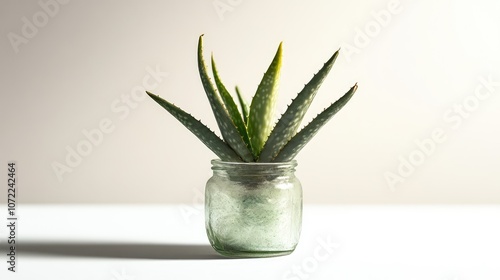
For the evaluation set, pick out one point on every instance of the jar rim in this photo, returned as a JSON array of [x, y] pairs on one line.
[[219, 162], [251, 169]]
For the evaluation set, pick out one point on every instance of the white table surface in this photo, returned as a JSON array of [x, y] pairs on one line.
[[138, 242]]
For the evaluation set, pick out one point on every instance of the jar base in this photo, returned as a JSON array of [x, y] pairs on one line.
[[251, 254]]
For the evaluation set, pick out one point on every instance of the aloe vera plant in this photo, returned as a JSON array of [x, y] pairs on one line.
[[249, 132]]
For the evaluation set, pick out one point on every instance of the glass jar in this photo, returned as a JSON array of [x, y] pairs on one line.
[[253, 209]]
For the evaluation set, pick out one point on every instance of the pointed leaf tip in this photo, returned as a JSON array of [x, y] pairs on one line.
[[204, 134], [226, 126], [230, 106], [293, 147], [260, 119], [290, 121]]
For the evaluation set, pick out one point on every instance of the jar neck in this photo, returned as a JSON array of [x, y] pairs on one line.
[[222, 168]]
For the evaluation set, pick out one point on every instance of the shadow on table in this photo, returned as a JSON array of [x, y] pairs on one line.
[[120, 250]]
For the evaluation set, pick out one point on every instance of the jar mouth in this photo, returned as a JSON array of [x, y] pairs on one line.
[[254, 167], [286, 164]]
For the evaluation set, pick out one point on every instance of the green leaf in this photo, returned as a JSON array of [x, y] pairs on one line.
[[228, 129], [243, 105], [293, 147], [231, 107], [210, 139], [290, 121], [260, 119]]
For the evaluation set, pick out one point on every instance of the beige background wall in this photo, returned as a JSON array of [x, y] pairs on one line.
[[422, 128]]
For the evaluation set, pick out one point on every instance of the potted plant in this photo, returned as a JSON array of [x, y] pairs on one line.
[[253, 201]]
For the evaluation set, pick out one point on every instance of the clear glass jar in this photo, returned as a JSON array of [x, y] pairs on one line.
[[253, 209]]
